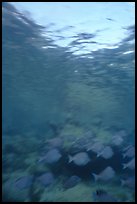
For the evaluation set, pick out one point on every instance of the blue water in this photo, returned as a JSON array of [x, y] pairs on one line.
[[49, 93]]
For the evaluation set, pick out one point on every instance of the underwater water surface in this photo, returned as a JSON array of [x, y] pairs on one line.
[[68, 124]]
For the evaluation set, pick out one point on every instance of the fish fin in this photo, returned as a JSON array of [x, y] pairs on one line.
[[70, 158], [95, 176]]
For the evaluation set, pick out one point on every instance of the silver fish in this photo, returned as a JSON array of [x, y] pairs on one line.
[[106, 153], [130, 152], [130, 164], [51, 156], [55, 142], [95, 147], [127, 147], [80, 159], [122, 133], [71, 182], [24, 182], [46, 179], [107, 174], [129, 182], [117, 140]]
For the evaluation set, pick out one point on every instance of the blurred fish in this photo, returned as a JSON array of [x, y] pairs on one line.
[[117, 140], [55, 142], [130, 152], [24, 182], [122, 133], [102, 196], [80, 159], [130, 164], [79, 144], [72, 181], [106, 153], [51, 156], [46, 179], [127, 147], [110, 19], [119, 137], [95, 147], [107, 174], [129, 182]]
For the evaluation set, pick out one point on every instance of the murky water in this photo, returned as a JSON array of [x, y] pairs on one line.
[[49, 93]]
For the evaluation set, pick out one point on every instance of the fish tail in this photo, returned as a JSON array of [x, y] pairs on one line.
[[70, 158], [124, 155], [124, 166], [98, 155], [95, 176], [88, 149]]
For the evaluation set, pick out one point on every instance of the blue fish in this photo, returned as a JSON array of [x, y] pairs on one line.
[[24, 182], [46, 179], [72, 181]]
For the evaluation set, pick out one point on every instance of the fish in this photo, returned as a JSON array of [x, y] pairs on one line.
[[55, 142], [51, 156], [122, 133], [96, 147], [107, 174], [101, 195], [129, 182], [106, 153], [46, 179], [71, 182], [117, 140], [118, 137], [79, 144], [127, 147], [130, 152], [109, 19], [82, 143], [24, 182], [130, 164], [80, 159]]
